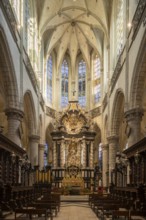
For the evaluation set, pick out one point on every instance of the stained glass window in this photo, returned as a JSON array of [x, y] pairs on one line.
[[100, 156], [28, 27], [119, 26], [49, 79], [46, 155], [64, 84], [82, 83], [97, 84]]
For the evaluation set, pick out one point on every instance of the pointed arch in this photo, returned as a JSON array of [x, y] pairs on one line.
[[7, 73], [118, 123], [139, 76], [117, 112], [29, 125]]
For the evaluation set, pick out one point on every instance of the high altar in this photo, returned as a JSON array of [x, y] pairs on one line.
[[73, 148]]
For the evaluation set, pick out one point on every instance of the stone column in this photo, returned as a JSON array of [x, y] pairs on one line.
[[62, 154], [41, 155], [113, 148], [33, 142], [84, 152], [54, 154], [104, 164], [91, 154], [14, 117], [133, 129]]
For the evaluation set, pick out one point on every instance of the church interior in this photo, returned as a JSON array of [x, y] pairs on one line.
[[72, 105]]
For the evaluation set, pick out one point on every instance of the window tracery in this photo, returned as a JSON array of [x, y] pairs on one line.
[[97, 76], [119, 26], [28, 27], [82, 83], [49, 79], [64, 83]]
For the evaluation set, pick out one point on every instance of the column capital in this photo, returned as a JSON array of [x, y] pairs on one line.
[[134, 114], [112, 138], [13, 113], [105, 147], [34, 138], [41, 146]]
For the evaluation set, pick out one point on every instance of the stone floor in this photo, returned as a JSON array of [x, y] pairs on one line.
[[75, 208], [72, 208]]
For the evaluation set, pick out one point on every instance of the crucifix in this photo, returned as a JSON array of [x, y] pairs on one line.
[[73, 92]]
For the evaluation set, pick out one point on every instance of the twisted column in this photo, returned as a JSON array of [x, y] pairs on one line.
[[14, 117], [54, 162], [62, 152], [133, 129], [91, 154]]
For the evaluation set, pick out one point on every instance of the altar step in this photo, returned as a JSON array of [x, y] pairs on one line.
[[74, 198]]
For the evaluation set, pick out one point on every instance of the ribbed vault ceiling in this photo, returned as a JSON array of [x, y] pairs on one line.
[[74, 27]]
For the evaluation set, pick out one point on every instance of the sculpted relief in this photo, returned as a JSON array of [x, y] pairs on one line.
[[73, 155], [73, 123], [73, 120]]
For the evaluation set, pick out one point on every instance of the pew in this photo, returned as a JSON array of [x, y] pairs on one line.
[[136, 214], [31, 212], [116, 214]]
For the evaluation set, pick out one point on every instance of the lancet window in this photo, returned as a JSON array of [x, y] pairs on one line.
[[119, 26], [28, 27], [49, 79], [46, 155], [97, 79], [82, 83], [64, 83]]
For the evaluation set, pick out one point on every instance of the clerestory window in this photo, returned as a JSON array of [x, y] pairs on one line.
[[64, 84], [119, 26], [82, 83], [97, 80], [49, 79]]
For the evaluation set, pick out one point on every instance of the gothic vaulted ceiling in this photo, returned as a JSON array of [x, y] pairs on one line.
[[74, 27]]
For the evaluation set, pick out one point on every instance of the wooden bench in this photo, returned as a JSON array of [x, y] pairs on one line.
[[50, 204], [134, 214], [106, 210], [50, 208], [31, 211], [118, 213]]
